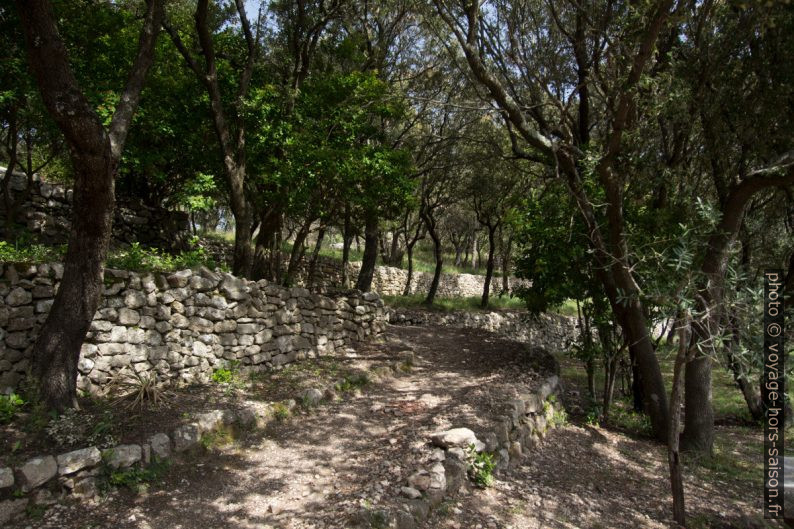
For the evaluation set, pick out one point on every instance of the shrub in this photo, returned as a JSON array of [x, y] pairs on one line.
[[480, 467], [135, 478], [138, 390], [24, 252], [9, 406], [281, 411], [139, 258], [222, 376]]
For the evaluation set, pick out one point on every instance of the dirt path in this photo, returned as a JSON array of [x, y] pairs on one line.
[[316, 470]]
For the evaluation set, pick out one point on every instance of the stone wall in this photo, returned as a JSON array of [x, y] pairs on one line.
[[182, 325], [551, 332], [390, 281], [47, 209]]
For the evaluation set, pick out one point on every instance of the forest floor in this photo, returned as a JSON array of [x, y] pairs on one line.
[[319, 467]]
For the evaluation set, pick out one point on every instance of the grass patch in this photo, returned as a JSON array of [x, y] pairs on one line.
[[281, 412], [135, 478], [736, 458], [451, 304], [352, 382], [218, 438]]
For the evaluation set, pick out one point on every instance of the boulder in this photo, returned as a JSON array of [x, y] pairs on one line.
[[457, 437], [37, 471], [123, 455], [71, 462]]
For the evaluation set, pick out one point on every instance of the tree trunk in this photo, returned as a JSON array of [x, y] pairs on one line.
[[94, 153], [370, 257], [267, 251], [439, 255], [506, 267], [8, 199], [347, 239], [610, 372], [637, 393], [486, 290], [315, 256], [57, 349], [475, 253], [673, 453], [410, 251], [752, 397], [243, 254], [589, 367], [698, 433], [296, 255]]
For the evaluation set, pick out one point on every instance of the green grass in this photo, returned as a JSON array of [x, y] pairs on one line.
[[450, 304]]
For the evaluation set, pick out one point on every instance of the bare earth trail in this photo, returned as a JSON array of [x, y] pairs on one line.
[[315, 470]]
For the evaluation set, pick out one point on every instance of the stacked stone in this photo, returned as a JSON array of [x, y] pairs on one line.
[[552, 332], [182, 326], [47, 211]]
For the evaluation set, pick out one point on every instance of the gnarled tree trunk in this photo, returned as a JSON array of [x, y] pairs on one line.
[[95, 154], [370, 257]]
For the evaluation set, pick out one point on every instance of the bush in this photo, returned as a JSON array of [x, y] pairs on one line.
[[140, 259], [9, 406], [481, 467], [138, 390], [23, 252], [135, 478]]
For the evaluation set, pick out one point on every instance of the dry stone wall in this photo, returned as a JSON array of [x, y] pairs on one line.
[[551, 332], [46, 211], [390, 281], [183, 325]]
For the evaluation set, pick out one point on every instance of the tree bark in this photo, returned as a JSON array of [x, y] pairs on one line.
[[506, 267], [296, 255], [673, 453], [95, 153], [312, 276], [8, 199], [752, 397], [486, 290], [267, 251], [439, 256], [347, 240], [410, 251], [370, 257]]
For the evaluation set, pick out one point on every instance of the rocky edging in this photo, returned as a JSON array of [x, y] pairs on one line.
[[42, 480], [512, 436]]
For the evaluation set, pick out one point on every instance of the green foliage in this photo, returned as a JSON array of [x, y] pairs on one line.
[[24, 252], [10, 406], [281, 412], [217, 438], [137, 479], [140, 259], [352, 382], [480, 467], [228, 375], [222, 375]]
